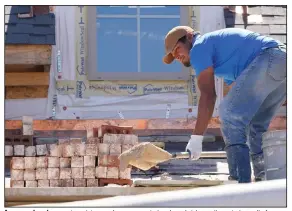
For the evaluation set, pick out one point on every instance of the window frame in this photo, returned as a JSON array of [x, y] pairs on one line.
[[92, 71]]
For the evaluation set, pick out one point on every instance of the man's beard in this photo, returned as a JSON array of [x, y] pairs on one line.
[[187, 64]]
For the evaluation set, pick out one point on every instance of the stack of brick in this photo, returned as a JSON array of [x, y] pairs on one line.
[[71, 163]]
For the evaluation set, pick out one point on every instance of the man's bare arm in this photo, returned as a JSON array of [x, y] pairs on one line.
[[207, 100]]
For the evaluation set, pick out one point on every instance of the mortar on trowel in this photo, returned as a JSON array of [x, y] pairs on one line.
[[146, 155]]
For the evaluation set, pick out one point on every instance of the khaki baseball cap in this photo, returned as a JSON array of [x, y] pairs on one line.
[[171, 39]]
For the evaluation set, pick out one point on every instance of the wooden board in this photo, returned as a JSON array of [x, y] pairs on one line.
[[28, 54], [27, 79], [23, 92], [177, 183], [24, 68]]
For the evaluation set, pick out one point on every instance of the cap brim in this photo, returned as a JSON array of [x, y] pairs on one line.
[[168, 58]]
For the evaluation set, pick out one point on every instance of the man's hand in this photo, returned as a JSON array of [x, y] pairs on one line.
[[194, 146]]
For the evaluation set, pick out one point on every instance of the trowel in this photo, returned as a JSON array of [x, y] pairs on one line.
[[146, 155]]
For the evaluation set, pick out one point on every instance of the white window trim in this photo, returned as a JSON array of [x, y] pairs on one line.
[[92, 72]]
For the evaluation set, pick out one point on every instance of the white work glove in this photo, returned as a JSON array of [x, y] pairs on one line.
[[194, 146]]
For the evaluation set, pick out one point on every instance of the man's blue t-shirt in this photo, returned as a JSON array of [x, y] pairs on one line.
[[229, 51]]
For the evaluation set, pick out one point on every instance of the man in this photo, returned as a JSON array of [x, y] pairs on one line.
[[255, 65]]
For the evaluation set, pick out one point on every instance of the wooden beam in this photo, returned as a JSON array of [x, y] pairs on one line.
[[27, 79], [28, 54], [23, 92], [24, 68]]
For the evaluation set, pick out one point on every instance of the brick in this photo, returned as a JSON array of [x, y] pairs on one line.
[[29, 174], [75, 140], [113, 161], [100, 171], [89, 172], [17, 163], [53, 173], [42, 162], [131, 139], [113, 138], [65, 173], [89, 132], [126, 174], [112, 172], [18, 150], [65, 162], [125, 147], [29, 162], [79, 182], [89, 161], [63, 141], [41, 174], [91, 149], [66, 183], [103, 149], [31, 183], [115, 149], [41, 150], [8, 151], [110, 129], [53, 162], [16, 183], [77, 173], [30, 151], [79, 149], [91, 182], [43, 183], [16, 174], [55, 150], [105, 181], [102, 160], [92, 140], [54, 183], [68, 150], [77, 162]]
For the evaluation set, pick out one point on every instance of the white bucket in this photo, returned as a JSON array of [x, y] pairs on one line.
[[274, 149]]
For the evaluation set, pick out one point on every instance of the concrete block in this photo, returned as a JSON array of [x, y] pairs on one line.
[[54, 183], [16, 174], [55, 150], [102, 160], [53, 173], [27, 124], [42, 162], [18, 150], [77, 173], [65, 162], [64, 141], [29, 174], [29, 162], [77, 162], [91, 182], [103, 149], [115, 149], [113, 138], [79, 182], [53, 162], [75, 140], [91, 149], [126, 174], [89, 161], [31, 183], [68, 150], [66, 183], [100, 171], [41, 150], [8, 150], [92, 140], [79, 149], [17, 163], [16, 183], [112, 172], [43, 183], [41, 174], [65, 173], [113, 161], [30, 151], [89, 172], [126, 147], [130, 139]]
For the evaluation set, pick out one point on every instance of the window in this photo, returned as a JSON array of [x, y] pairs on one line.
[[127, 42]]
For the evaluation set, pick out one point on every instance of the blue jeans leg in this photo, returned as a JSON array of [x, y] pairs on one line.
[[244, 102]]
